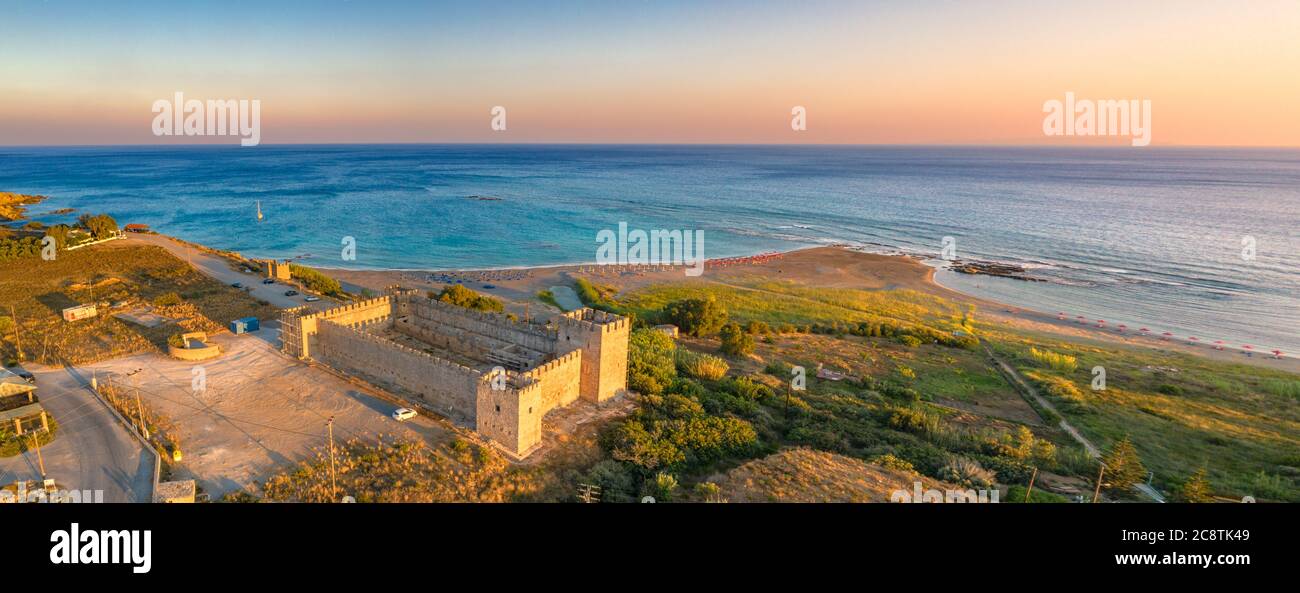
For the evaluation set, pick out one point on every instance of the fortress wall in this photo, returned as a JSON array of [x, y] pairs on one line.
[[444, 386], [492, 325], [559, 381]]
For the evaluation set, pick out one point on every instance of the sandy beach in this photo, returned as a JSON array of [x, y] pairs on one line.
[[834, 267]]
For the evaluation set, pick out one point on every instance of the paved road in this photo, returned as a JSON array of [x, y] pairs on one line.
[[219, 268], [92, 450]]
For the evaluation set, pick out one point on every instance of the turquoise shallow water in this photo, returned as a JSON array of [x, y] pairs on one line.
[[1147, 237]]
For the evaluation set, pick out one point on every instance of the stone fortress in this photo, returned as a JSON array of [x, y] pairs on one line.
[[493, 373]]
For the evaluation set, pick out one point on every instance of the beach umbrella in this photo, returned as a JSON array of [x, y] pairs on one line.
[[1060, 314], [1144, 331], [1082, 319], [1277, 354], [1248, 348], [1122, 327], [1166, 336], [1218, 344], [1101, 323], [1193, 339]]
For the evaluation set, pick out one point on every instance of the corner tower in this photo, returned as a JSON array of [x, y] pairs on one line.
[[602, 338]]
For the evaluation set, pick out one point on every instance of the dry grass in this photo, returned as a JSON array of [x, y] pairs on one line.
[[806, 475], [110, 273]]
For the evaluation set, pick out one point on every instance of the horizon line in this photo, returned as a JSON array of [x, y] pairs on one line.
[[633, 143]]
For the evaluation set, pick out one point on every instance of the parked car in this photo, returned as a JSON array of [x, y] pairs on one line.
[[269, 281], [237, 285], [403, 414], [290, 293], [312, 299], [24, 373]]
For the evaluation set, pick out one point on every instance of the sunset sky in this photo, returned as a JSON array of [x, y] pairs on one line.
[[928, 72]]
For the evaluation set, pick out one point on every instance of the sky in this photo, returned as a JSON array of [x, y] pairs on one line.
[[632, 71]]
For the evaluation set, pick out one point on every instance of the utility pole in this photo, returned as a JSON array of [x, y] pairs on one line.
[[1096, 494], [13, 314], [138, 408], [334, 489], [39, 460], [1031, 484]]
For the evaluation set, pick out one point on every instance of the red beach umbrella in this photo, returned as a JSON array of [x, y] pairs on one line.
[[1122, 327], [1166, 336], [1060, 314], [1277, 354], [1218, 344], [1144, 330], [1193, 339], [1082, 319]]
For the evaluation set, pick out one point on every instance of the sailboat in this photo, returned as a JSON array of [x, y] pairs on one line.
[[259, 210]]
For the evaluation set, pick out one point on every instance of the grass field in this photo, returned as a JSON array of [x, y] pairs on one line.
[[1183, 412], [130, 275]]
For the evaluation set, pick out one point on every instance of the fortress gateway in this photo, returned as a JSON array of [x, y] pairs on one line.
[[498, 375]]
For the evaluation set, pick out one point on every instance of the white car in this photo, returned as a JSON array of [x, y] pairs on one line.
[[403, 414], [312, 299]]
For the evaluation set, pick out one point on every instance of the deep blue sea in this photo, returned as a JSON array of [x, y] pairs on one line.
[[1148, 237]]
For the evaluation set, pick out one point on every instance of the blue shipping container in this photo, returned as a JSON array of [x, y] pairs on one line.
[[247, 324]]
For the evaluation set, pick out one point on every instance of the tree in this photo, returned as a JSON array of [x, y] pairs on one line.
[[101, 226], [1123, 467], [697, 317], [464, 297], [735, 341], [650, 361], [1195, 489]]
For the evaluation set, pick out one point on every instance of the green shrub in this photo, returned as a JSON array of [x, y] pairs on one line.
[[100, 226], [315, 280], [735, 341], [1055, 361], [696, 317], [168, 299], [889, 461], [460, 296], [967, 472], [909, 341], [1016, 493], [548, 297], [702, 366], [651, 367]]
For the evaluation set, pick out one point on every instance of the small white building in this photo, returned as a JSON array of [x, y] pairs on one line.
[[79, 312]]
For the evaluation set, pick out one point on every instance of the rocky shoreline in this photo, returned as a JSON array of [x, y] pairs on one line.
[[994, 269]]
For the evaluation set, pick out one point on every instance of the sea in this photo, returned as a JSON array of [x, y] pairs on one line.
[[1200, 242]]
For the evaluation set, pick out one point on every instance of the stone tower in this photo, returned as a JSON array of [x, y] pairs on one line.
[[602, 337]]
